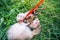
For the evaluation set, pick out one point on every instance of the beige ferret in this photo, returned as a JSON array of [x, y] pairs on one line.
[[20, 30]]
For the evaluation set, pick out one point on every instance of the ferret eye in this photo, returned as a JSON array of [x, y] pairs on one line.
[[36, 23], [29, 17], [20, 16]]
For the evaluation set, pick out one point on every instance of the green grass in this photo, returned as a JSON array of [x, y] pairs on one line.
[[49, 17]]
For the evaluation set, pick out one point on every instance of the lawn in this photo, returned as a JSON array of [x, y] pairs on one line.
[[48, 14]]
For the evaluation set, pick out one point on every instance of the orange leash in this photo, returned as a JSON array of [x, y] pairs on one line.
[[39, 3]]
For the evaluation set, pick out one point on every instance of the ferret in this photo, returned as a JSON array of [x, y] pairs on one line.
[[20, 30]]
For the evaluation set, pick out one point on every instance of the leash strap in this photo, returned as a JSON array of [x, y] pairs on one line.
[[35, 7]]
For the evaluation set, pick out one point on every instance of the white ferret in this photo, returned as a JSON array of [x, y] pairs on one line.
[[20, 30]]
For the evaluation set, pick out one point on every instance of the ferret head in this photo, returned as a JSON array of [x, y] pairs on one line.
[[20, 16], [35, 23]]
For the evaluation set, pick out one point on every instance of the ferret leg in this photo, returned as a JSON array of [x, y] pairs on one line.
[[36, 31]]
